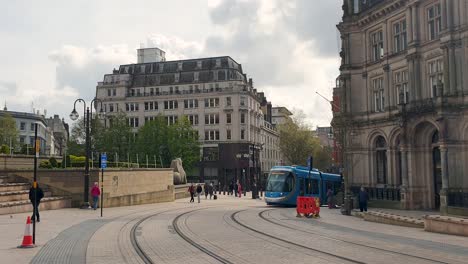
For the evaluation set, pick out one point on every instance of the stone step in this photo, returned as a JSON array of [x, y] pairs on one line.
[[48, 203], [17, 196], [391, 219], [12, 187]]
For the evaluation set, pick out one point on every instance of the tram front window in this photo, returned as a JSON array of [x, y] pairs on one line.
[[280, 182]]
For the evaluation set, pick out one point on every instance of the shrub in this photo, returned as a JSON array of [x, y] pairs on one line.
[[4, 149], [53, 162], [45, 164]]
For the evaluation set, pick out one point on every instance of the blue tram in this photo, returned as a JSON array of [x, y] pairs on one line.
[[286, 183]]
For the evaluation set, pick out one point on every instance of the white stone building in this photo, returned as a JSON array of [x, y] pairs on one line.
[[216, 96]]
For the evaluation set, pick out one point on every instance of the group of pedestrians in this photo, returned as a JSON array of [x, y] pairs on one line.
[[197, 190], [235, 188]]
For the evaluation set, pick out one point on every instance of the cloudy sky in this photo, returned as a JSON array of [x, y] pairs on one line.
[[55, 51]]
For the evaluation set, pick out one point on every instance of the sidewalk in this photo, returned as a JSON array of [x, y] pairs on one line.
[[53, 222]]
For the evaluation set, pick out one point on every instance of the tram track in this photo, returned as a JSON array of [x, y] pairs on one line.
[[175, 224], [262, 216], [235, 220]]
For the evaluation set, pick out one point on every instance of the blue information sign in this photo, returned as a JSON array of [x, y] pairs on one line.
[[103, 161], [310, 162]]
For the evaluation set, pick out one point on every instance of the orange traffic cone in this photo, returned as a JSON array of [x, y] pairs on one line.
[[27, 239]]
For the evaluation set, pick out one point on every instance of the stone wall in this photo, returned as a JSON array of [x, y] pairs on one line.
[[139, 186], [122, 187]]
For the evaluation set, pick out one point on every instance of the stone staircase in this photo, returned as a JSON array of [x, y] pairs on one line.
[[14, 197]]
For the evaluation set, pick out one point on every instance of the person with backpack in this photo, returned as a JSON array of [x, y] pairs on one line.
[[199, 191], [39, 195], [191, 190]]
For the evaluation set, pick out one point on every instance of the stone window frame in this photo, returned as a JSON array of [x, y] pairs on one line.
[[193, 119], [228, 134], [171, 119], [190, 103], [381, 148], [211, 102], [378, 91], [434, 21], [133, 122], [170, 105], [435, 73], [400, 35], [212, 119], [228, 118], [211, 135], [400, 82], [376, 40]]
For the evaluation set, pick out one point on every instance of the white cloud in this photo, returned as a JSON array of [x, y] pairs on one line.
[[278, 51]]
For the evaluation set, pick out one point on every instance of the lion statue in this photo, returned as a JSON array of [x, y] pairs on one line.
[[180, 177]]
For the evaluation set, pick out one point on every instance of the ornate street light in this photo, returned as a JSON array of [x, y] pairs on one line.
[[86, 116]]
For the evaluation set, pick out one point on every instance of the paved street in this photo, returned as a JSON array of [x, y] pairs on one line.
[[228, 230]]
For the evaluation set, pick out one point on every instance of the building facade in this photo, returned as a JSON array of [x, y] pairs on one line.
[[400, 105], [213, 93], [25, 124], [60, 132], [280, 115]]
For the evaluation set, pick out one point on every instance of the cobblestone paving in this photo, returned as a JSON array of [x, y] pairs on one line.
[[82, 237]]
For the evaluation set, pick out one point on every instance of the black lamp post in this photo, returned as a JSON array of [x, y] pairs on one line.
[[87, 116]]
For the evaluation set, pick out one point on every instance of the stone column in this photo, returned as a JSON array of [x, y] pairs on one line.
[[452, 69], [414, 22], [444, 191], [449, 13], [409, 25], [447, 85]]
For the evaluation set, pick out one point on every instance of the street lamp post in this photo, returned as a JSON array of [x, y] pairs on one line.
[[86, 115]]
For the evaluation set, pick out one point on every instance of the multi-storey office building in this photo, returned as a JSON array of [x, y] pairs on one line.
[[213, 93], [403, 97]]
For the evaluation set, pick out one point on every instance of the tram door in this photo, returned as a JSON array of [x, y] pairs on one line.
[[301, 187]]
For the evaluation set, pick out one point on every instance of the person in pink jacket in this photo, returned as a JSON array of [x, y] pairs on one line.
[[95, 192]]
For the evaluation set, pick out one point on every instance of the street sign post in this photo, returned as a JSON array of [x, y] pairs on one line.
[[103, 166]]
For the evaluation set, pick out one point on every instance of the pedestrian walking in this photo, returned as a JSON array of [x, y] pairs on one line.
[[39, 196], [231, 188], [239, 189], [211, 189], [95, 192], [236, 188], [199, 191], [205, 188], [363, 198], [330, 199], [191, 190]]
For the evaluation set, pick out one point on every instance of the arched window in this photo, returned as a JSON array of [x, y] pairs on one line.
[[381, 159], [435, 137]]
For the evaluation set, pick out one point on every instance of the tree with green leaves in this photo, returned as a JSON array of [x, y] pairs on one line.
[[298, 142], [117, 137], [157, 138], [8, 131]]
